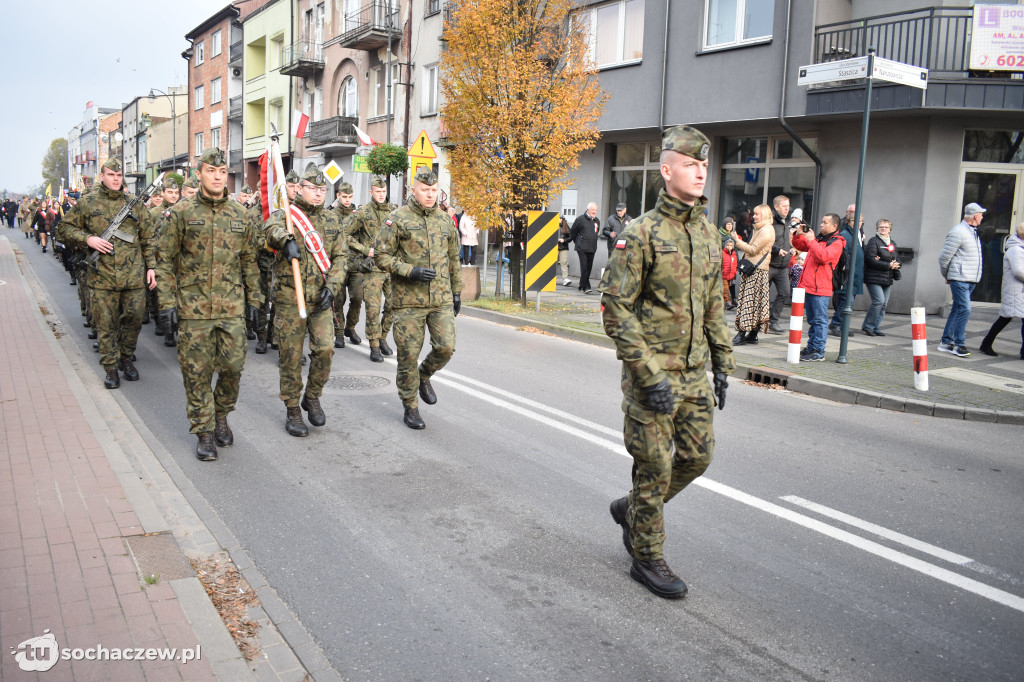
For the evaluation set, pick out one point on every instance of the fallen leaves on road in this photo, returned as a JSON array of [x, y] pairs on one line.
[[772, 387], [534, 330], [231, 595]]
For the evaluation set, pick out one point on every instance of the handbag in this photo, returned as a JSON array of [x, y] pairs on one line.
[[746, 267]]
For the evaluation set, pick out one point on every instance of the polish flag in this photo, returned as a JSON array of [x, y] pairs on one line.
[[364, 139], [299, 123], [271, 185]]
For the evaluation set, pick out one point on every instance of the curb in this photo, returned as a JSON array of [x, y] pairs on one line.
[[797, 384]]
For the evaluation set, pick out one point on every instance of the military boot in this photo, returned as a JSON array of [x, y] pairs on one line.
[[261, 346], [112, 380], [249, 333], [145, 317], [619, 508], [206, 448], [294, 424], [657, 577], [353, 337], [412, 418], [385, 349], [427, 392], [375, 355], [313, 410], [339, 340], [130, 373], [169, 339], [222, 432], [158, 329], [95, 347], [92, 334]]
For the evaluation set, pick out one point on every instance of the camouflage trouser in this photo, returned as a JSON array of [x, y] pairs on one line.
[[153, 305], [266, 266], [117, 320], [354, 284], [410, 324], [205, 347], [373, 293], [82, 275], [388, 316], [669, 452], [290, 332]]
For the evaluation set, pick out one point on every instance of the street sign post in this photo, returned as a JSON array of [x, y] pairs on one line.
[[831, 72]]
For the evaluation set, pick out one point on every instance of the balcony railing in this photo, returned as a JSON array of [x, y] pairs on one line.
[[234, 158], [937, 39], [235, 53], [235, 107], [303, 58], [369, 27], [431, 7], [337, 130]]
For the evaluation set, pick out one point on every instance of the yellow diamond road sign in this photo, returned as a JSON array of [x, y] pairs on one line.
[[333, 172], [422, 147]]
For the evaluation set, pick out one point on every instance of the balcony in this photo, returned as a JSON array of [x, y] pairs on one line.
[[235, 54], [303, 58], [370, 27], [235, 108], [234, 160], [937, 39], [431, 7], [333, 134], [449, 18]]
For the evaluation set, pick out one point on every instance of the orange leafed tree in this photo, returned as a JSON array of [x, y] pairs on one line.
[[521, 102]]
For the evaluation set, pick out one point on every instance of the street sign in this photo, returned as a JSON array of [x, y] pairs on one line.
[[359, 164], [900, 73], [541, 250], [333, 172], [829, 72], [416, 161], [422, 147]]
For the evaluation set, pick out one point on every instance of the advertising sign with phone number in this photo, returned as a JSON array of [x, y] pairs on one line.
[[997, 41]]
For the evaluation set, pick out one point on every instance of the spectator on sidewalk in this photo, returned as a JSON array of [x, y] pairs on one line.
[[854, 249], [726, 230], [823, 254], [1012, 299], [563, 250], [882, 268], [960, 265], [467, 228], [729, 261], [752, 315], [584, 233], [614, 226], [778, 265]]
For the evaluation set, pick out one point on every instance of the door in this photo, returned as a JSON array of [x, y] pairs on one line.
[[998, 190]]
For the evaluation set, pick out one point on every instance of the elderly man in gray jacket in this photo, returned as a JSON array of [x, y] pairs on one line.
[[960, 265]]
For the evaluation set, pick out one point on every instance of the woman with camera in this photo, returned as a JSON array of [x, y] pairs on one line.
[[752, 314], [881, 269]]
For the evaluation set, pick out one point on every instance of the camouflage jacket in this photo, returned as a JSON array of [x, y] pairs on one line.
[[662, 293], [326, 222], [363, 227], [414, 236], [126, 267], [205, 257], [344, 213]]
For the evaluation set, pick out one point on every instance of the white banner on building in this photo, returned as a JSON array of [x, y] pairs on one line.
[[997, 41]]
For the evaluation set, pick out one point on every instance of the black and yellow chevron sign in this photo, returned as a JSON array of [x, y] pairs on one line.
[[541, 250]]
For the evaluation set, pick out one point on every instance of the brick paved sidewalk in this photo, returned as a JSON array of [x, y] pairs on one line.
[[64, 565]]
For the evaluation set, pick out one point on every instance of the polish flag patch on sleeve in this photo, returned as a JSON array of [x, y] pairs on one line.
[[620, 244]]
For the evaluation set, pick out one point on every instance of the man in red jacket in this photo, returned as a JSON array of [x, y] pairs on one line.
[[822, 256]]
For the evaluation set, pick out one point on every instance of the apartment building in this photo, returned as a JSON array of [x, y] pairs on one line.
[[89, 142], [730, 67], [136, 118]]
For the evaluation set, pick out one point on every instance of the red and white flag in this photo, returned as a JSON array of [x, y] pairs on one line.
[[311, 238], [271, 184], [299, 123], [364, 139]]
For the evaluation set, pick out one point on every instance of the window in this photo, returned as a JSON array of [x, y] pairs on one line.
[[433, 7], [199, 97], [375, 86], [307, 104], [318, 36], [199, 144], [735, 22], [215, 44], [215, 91], [200, 52], [348, 101], [318, 104], [429, 104], [616, 31], [636, 176], [215, 138]]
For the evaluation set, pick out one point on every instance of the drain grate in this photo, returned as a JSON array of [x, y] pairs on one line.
[[158, 554], [762, 376], [357, 382]]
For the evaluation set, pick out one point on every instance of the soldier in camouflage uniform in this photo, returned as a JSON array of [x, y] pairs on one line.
[[663, 307], [117, 286], [206, 258], [343, 207], [188, 189], [419, 246], [362, 233], [318, 288], [169, 193]]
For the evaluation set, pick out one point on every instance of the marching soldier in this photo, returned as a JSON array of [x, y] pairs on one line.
[[206, 255], [362, 232], [189, 189], [352, 284], [117, 286], [169, 193], [419, 246], [663, 307], [322, 268]]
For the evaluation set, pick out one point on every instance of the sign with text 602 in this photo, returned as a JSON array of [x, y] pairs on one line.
[[997, 40]]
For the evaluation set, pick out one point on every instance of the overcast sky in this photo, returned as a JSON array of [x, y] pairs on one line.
[[58, 55]]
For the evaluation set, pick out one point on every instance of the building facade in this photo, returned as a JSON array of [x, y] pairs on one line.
[[136, 117], [89, 141]]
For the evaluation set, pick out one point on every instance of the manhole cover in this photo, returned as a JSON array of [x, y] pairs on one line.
[[357, 382]]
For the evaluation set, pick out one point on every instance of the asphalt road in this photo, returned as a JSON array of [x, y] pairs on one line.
[[826, 541]]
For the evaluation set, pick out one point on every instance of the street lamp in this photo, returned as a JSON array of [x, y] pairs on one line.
[[153, 92]]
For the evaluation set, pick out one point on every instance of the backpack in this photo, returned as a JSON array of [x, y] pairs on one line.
[[841, 270]]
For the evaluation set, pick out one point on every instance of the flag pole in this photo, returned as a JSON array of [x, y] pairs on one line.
[[300, 298]]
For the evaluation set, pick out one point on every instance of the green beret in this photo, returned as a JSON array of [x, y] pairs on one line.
[[170, 183], [213, 156], [246, 189], [345, 188], [292, 177], [113, 163], [314, 175], [425, 175], [192, 182], [686, 140], [379, 181]]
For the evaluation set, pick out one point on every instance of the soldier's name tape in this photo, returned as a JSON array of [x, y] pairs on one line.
[[587, 430]]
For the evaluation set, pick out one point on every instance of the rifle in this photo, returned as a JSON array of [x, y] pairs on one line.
[[114, 229]]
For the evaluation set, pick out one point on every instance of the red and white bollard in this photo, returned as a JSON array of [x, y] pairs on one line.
[[796, 325], [919, 335]]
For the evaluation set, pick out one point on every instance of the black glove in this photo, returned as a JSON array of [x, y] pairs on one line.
[[721, 384], [291, 250], [457, 303], [366, 265], [169, 318], [252, 313], [326, 299], [422, 274], [659, 397]]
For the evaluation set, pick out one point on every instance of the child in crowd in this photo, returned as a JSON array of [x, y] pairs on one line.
[[729, 263]]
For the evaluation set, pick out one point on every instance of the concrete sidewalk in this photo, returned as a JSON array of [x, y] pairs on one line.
[[879, 372], [92, 528]]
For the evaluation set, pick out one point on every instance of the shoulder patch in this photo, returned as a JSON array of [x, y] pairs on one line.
[[388, 222]]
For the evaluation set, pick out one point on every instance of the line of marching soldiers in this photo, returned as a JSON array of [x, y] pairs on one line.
[[212, 275]]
